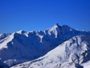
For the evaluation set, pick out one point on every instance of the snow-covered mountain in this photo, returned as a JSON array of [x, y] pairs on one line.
[[73, 53], [23, 46]]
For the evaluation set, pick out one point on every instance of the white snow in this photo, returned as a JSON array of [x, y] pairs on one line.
[[40, 36], [86, 65], [7, 39], [54, 30]]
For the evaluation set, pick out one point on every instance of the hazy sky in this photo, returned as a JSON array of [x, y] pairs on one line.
[[41, 14]]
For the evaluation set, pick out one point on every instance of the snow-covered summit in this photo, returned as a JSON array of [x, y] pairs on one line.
[[55, 30], [21, 32], [56, 26]]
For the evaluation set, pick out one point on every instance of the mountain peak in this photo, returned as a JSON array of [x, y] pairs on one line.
[[54, 27], [57, 25], [21, 31], [55, 30]]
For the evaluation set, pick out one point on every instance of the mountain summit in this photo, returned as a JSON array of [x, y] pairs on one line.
[[56, 30]]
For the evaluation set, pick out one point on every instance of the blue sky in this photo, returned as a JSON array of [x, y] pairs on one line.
[[41, 14]]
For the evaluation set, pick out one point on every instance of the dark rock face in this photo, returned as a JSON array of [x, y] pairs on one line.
[[3, 65], [78, 66]]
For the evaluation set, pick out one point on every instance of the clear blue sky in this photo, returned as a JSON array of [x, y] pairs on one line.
[[41, 14]]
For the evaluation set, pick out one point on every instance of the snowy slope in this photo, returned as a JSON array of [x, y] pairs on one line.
[[73, 53], [2, 36], [86, 65]]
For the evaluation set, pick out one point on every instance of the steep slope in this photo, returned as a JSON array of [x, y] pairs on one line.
[[2, 36], [73, 53], [24, 46]]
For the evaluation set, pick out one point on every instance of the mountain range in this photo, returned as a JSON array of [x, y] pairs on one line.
[[56, 47]]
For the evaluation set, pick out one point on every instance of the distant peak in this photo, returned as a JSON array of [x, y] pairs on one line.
[[55, 30], [21, 31], [54, 27]]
